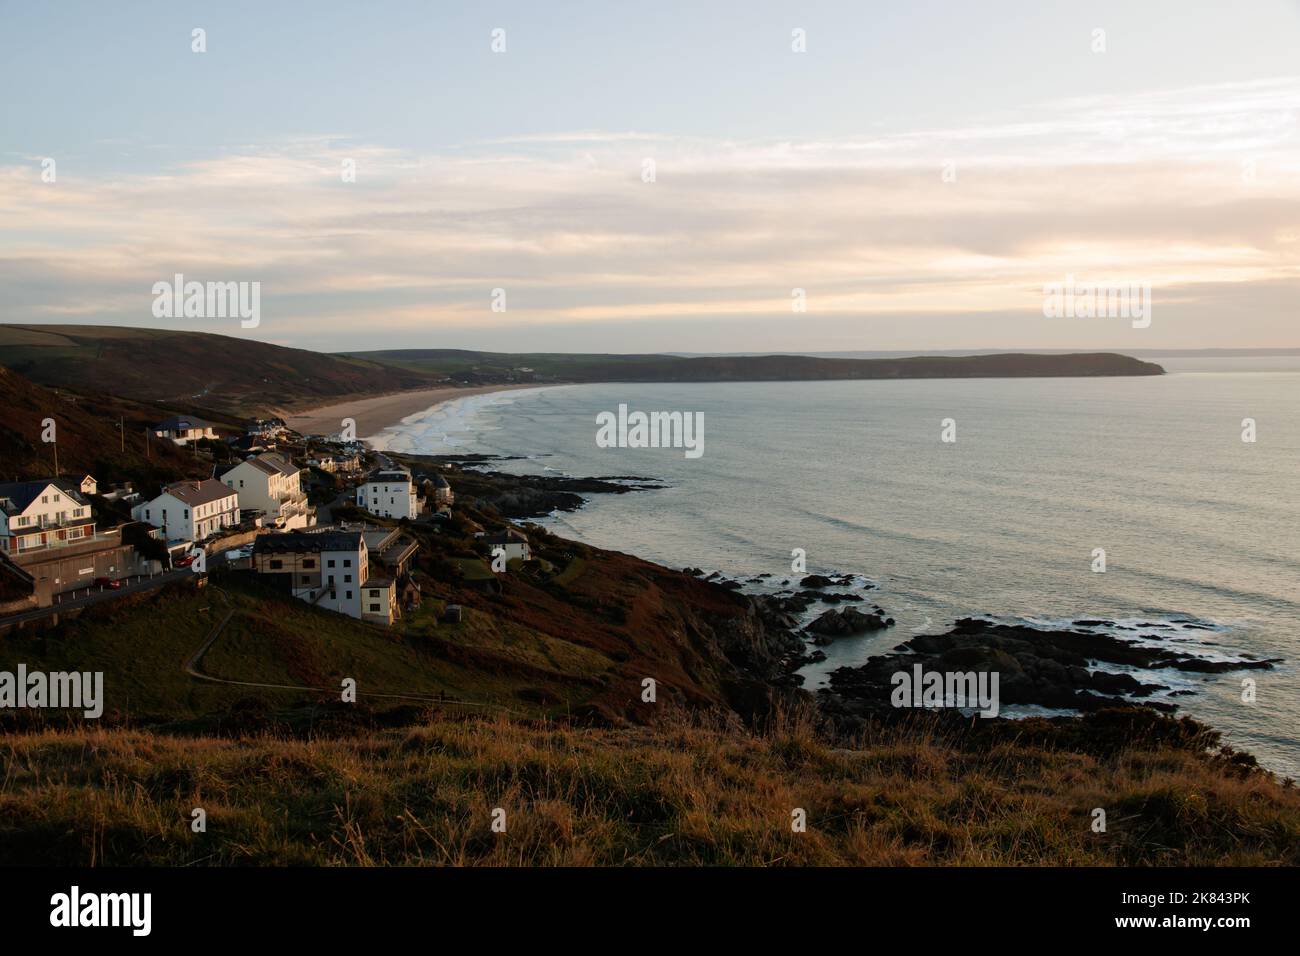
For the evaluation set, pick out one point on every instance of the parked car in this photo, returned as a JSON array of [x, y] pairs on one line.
[[109, 583], [184, 562]]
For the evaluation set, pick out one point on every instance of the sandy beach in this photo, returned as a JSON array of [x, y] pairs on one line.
[[376, 412]]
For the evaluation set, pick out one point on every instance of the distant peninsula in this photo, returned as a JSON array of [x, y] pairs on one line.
[[223, 375]]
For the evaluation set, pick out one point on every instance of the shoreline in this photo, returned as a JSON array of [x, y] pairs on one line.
[[374, 413]]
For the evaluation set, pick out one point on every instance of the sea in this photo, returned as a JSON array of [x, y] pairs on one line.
[[1200, 527]]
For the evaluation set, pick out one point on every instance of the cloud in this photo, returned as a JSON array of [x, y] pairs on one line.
[[1189, 189]]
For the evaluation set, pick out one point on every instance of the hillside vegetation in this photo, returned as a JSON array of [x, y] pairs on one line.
[[682, 793], [88, 436]]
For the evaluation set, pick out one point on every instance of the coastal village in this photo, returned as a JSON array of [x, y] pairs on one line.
[[317, 517]]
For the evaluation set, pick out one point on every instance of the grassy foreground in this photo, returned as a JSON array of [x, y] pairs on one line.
[[679, 793]]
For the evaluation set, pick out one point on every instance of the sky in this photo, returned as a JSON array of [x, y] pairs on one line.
[[640, 177]]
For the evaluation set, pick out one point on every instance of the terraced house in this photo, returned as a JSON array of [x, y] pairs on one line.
[[271, 483], [329, 569], [190, 510]]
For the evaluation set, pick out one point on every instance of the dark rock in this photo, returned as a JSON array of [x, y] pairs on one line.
[[840, 623], [1048, 668]]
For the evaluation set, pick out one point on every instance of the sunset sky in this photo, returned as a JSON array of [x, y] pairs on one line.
[[1171, 158]]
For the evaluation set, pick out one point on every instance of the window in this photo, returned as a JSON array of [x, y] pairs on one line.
[[349, 595], [187, 512], [45, 499], [347, 562], [374, 608], [329, 563], [374, 593], [347, 579], [56, 497], [276, 564], [333, 595], [306, 579], [309, 562]]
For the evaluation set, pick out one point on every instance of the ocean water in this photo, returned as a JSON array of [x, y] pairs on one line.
[[1201, 530]]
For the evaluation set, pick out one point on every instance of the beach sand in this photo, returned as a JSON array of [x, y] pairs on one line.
[[374, 413]]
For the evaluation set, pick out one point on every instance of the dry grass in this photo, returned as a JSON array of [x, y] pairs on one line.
[[683, 794]]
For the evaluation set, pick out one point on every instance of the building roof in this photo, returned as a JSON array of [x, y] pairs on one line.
[[310, 541], [394, 476], [274, 463], [177, 422], [194, 493], [16, 496], [508, 536]]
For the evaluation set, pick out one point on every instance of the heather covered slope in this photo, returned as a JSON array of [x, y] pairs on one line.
[[192, 370], [88, 436]]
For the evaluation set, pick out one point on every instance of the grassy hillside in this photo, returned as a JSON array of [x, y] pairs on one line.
[[683, 793], [532, 643], [753, 368], [140, 644], [191, 371]]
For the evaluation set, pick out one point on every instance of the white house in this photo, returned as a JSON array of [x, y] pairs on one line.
[[510, 541], [190, 510], [330, 569], [44, 514], [389, 493], [272, 484], [184, 428]]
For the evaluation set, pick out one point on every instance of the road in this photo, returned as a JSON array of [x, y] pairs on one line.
[[93, 595]]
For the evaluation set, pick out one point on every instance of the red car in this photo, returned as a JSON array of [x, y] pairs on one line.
[[184, 562], [109, 583]]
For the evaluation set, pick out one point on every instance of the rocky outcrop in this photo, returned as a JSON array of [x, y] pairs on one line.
[[1053, 669], [848, 621]]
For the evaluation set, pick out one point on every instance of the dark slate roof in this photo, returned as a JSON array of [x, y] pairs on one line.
[[299, 542], [182, 421], [23, 493], [508, 536], [394, 476]]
